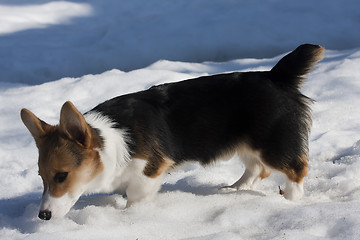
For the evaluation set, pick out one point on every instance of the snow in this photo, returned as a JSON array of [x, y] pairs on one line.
[[82, 51], [74, 38], [19, 18]]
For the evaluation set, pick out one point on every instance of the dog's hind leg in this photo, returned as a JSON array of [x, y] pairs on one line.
[[294, 169], [294, 189], [255, 171]]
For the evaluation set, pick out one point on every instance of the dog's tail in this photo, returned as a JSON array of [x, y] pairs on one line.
[[291, 69]]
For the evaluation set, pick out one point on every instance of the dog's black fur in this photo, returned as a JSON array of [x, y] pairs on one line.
[[204, 118]]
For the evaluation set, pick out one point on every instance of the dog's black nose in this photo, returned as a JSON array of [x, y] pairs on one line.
[[45, 215]]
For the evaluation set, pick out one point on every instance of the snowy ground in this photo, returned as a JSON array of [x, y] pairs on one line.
[[44, 47], [78, 37]]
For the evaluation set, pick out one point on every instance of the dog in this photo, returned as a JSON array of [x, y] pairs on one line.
[[129, 143]]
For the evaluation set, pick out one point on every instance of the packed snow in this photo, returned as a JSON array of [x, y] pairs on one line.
[[77, 44], [78, 37]]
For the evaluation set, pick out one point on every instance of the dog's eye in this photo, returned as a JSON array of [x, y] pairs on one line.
[[60, 177]]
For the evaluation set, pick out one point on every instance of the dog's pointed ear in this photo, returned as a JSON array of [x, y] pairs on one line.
[[73, 124], [37, 127]]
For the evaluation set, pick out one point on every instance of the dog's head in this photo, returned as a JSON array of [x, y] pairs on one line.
[[68, 158]]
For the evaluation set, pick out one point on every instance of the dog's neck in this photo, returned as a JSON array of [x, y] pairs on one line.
[[114, 154]]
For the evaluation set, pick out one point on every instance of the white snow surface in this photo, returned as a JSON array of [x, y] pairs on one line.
[[80, 38]]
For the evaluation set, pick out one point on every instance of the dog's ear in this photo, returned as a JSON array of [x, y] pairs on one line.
[[73, 124], [37, 127]]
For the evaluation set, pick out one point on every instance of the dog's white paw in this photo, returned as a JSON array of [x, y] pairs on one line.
[[228, 189], [293, 191]]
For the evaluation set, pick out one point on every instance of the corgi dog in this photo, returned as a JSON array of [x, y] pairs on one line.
[[129, 143]]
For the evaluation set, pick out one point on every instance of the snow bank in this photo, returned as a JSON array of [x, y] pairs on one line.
[[20, 18], [189, 205], [70, 39]]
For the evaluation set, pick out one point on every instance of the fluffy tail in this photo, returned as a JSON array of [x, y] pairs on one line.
[[292, 68]]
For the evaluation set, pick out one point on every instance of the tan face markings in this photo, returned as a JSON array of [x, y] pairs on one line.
[[36, 127], [66, 149], [60, 155]]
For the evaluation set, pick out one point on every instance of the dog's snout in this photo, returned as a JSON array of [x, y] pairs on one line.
[[45, 215]]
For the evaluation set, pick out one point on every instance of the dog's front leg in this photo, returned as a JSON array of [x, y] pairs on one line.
[[140, 187]]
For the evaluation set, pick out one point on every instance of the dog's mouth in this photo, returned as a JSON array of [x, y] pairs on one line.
[[55, 207]]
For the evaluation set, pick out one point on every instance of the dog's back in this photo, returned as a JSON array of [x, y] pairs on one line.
[[205, 118]]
